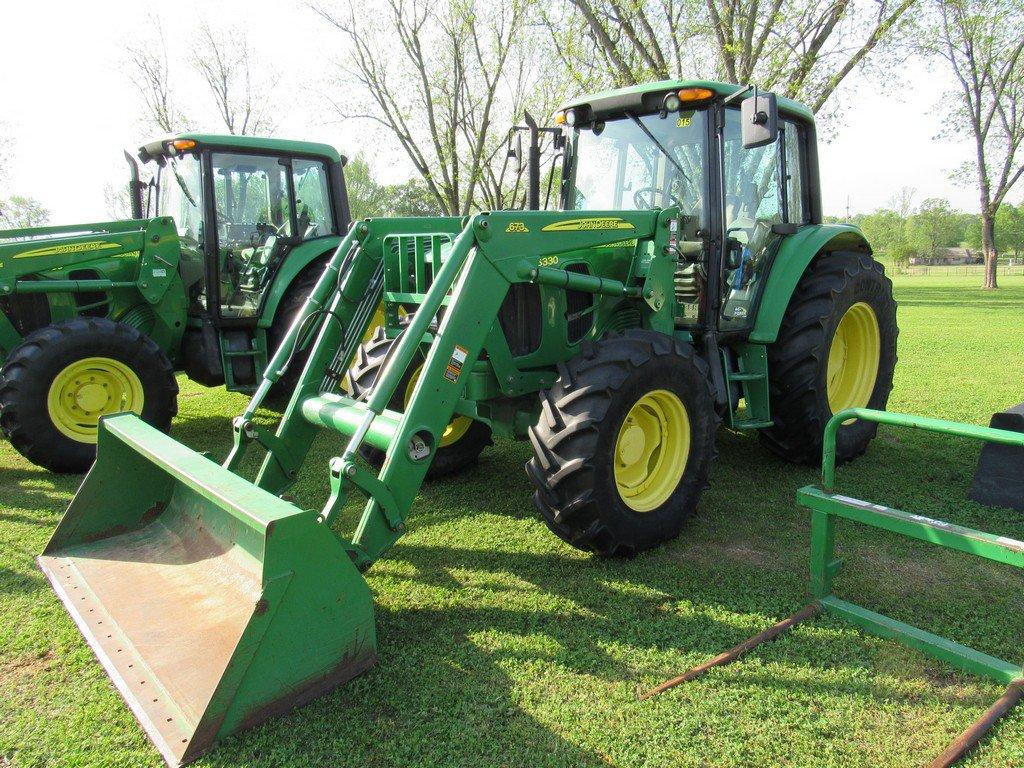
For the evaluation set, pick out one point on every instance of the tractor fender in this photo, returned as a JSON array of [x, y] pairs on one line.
[[300, 257], [791, 261]]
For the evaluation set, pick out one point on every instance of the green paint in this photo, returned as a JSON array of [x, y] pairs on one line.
[[826, 506], [722, 89]]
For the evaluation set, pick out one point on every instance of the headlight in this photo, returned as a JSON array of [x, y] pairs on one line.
[[672, 102]]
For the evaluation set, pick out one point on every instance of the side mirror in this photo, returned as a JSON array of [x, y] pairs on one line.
[[760, 120], [515, 149]]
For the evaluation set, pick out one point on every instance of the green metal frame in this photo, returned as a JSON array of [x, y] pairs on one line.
[[138, 260], [827, 506], [473, 264]]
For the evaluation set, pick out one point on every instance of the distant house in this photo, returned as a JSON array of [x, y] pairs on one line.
[[948, 257]]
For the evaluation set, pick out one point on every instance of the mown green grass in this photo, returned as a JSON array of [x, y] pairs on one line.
[[500, 646]]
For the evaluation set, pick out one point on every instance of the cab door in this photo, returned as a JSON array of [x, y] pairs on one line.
[[255, 222], [764, 198]]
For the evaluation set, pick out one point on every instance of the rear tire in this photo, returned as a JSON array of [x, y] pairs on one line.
[[583, 467], [836, 287], [470, 436], [58, 382]]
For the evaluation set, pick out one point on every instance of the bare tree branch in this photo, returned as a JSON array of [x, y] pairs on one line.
[[243, 100]]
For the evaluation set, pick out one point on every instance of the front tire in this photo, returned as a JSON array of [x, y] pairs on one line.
[[624, 443], [62, 378], [836, 349]]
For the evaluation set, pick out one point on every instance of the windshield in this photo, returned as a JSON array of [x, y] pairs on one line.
[[638, 162], [180, 196]]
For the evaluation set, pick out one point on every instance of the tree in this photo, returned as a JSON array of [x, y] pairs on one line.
[[150, 73], [6, 147], [935, 226], [901, 254], [117, 200], [1009, 226], [983, 43], [884, 229], [411, 198], [243, 99], [440, 76], [802, 48], [18, 212], [365, 196], [1010, 229]]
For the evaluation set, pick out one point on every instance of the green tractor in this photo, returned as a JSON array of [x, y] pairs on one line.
[[96, 318], [686, 280]]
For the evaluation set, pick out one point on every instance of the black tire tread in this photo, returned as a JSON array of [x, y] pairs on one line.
[[566, 466], [795, 359], [20, 384]]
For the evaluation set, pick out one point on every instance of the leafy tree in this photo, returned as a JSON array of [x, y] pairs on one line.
[[365, 196], [935, 226], [884, 229], [901, 253], [1010, 228], [18, 212], [983, 43], [411, 198]]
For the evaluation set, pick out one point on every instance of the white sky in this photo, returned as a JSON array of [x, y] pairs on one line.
[[71, 109]]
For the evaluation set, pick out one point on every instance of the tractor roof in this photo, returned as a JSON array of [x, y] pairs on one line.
[[632, 97], [158, 147]]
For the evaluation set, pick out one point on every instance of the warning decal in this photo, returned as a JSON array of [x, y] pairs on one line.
[[454, 368]]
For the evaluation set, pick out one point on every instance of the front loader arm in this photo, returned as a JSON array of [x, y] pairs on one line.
[[491, 254]]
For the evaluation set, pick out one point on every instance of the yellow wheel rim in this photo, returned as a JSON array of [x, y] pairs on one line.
[[651, 450], [853, 359], [90, 388], [457, 427]]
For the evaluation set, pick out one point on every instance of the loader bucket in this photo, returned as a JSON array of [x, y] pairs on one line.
[[211, 603]]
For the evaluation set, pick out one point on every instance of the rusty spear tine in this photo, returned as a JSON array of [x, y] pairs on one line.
[[807, 612], [967, 740]]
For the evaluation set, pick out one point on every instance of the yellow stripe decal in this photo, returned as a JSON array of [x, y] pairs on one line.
[[57, 250], [592, 224]]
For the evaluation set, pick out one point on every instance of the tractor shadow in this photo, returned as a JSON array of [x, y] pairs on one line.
[[34, 496]]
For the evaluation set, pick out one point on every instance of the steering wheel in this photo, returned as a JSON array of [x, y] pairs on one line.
[[638, 201]]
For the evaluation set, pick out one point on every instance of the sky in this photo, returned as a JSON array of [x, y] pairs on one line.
[[70, 107]]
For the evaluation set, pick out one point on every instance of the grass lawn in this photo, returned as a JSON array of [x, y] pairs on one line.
[[502, 646]]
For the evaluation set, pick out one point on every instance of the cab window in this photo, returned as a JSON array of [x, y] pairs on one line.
[[636, 163], [793, 141], [180, 196], [254, 226], [753, 205], [312, 199]]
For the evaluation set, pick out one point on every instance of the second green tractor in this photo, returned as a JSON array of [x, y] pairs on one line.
[[686, 280], [224, 244]]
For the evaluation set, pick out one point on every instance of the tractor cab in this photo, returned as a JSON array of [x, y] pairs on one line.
[[241, 205], [741, 178]]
